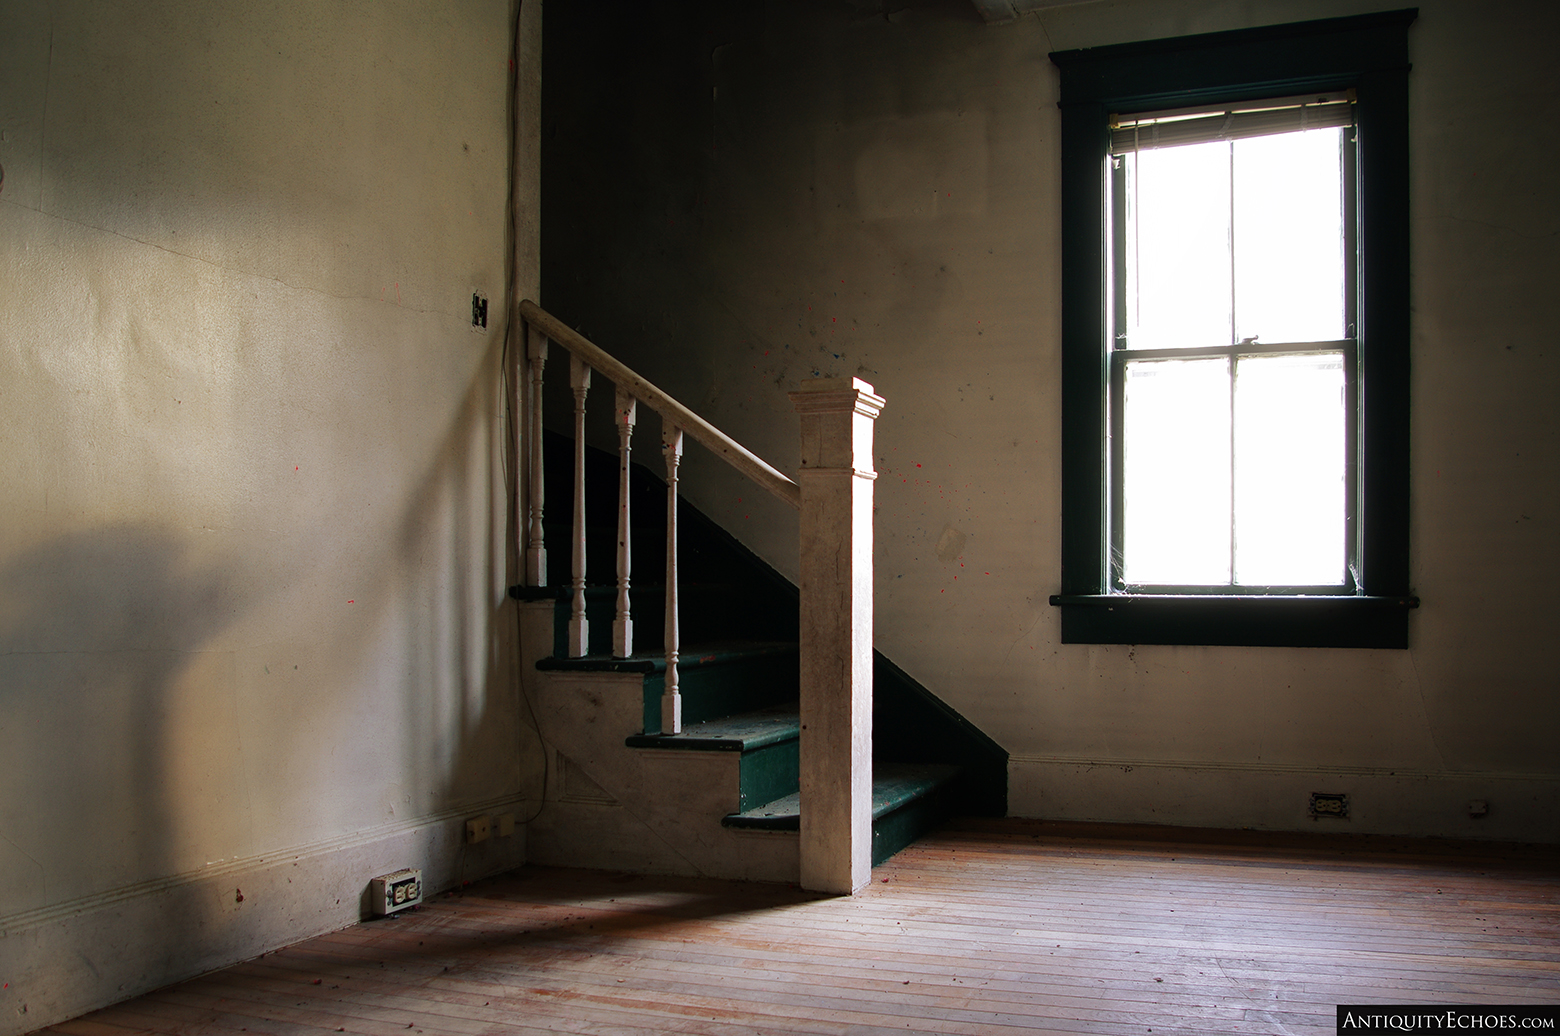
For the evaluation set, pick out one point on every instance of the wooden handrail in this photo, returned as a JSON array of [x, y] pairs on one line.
[[621, 375]]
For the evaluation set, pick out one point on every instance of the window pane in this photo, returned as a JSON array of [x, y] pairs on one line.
[[1178, 247], [1289, 237], [1176, 489], [1290, 466]]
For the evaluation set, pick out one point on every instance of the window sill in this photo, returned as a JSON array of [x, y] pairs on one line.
[[1236, 620]]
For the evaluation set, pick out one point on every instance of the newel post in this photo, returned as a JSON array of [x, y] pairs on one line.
[[835, 478]]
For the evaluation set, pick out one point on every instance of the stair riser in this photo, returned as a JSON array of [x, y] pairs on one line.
[[770, 773], [710, 693], [894, 831]]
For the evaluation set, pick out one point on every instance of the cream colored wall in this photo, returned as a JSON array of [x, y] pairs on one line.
[[832, 189], [254, 545]]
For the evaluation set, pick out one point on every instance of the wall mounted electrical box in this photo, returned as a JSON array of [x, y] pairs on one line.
[[391, 893]]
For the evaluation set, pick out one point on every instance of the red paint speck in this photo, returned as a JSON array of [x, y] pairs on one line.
[[352, 602], [918, 465]]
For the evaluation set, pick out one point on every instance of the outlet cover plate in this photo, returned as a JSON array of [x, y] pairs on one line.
[[392, 893], [1329, 804]]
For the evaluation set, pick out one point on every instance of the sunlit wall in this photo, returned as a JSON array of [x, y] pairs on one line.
[[254, 544]]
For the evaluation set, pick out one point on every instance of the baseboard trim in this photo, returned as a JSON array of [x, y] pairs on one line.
[[13, 923], [68, 958], [1415, 802]]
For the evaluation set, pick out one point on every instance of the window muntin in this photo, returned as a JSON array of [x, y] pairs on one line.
[[1231, 467]]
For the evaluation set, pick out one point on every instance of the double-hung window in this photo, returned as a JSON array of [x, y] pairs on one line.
[[1235, 337], [1232, 347]]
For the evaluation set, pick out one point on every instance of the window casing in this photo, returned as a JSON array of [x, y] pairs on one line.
[[1363, 58]]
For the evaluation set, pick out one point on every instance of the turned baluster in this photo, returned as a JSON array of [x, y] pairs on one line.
[[579, 626], [623, 622], [536, 548], [671, 699]]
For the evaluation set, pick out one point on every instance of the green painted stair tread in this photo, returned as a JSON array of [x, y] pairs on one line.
[[744, 733], [695, 658], [894, 785]]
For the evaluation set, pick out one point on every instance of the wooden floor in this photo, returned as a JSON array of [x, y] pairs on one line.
[[987, 928]]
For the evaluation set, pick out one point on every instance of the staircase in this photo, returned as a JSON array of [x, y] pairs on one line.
[[712, 787]]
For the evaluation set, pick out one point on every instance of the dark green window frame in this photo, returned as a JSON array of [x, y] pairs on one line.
[[1368, 53]]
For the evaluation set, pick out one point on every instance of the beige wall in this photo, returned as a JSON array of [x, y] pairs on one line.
[[828, 188], [254, 641]]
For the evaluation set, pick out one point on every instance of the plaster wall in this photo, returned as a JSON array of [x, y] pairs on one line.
[[738, 197], [254, 544]]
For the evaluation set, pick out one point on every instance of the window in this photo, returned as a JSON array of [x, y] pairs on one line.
[[1235, 337], [1230, 347]]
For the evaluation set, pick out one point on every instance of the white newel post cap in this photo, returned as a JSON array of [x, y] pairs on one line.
[[832, 435]]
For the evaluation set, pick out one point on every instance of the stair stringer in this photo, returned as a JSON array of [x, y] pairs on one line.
[[677, 797], [666, 808]]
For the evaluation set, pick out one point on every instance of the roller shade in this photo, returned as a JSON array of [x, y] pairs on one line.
[[1143, 131]]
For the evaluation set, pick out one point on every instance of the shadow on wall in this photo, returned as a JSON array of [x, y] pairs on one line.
[[470, 738], [124, 717], [110, 741]]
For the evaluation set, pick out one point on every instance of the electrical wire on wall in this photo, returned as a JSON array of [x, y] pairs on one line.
[[509, 354]]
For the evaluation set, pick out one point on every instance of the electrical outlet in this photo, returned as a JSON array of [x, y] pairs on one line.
[[391, 893], [506, 825], [1329, 804], [1478, 808], [478, 829]]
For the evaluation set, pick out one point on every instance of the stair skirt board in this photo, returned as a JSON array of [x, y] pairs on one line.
[[611, 837]]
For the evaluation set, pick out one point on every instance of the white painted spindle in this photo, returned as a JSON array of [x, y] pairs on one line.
[[671, 697], [579, 627], [536, 548], [623, 622]]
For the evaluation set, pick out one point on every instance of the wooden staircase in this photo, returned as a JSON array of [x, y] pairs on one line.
[[717, 793]]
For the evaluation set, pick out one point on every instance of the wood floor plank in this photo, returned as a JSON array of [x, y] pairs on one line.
[[987, 928]]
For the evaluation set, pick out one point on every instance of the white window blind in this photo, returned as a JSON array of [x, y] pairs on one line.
[[1144, 131]]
